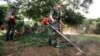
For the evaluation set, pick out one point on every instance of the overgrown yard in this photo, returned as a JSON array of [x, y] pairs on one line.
[[37, 45]]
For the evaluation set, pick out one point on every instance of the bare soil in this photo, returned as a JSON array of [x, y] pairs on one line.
[[12, 48]]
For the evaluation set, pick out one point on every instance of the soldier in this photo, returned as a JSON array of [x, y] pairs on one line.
[[55, 22], [10, 26]]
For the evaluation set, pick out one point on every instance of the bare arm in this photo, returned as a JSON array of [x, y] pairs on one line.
[[50, 17]]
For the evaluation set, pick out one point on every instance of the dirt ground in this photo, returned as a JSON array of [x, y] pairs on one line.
[[16, 49]]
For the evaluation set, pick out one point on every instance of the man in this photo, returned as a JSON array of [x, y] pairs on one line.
[[55, 22], [10, 26]]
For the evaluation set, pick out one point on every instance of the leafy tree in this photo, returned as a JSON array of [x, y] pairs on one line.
[[3, 11], [38, 8], [72, 18]]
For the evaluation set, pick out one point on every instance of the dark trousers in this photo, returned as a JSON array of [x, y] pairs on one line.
[[10, 31], [54, 35]]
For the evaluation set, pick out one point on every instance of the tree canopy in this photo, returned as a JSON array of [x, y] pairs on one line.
[[72, 18], [37, 8]]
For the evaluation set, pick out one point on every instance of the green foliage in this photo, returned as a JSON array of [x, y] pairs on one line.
[[20, 25], [3, 11], [33, 40], [86, 22], [96, 23], [97, 31], [72, 18], [37, 8], [88, 38]]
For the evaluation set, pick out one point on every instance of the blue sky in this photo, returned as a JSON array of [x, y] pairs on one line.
[[93, 10]]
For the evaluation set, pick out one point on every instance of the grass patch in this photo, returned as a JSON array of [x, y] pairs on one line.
[[84, 38], [41, 39], [33, 40]]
